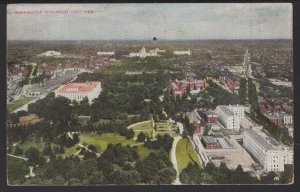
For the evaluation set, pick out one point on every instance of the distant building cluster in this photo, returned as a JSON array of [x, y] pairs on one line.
[[106, 53], [178, 87], [142, 53], [279, 119], [275, 114], [259, 71], [267, 151], [231, 82], [79, 91], [231, 115], [19, 69], [281, 83], [188, 52], [50, 54], [96, 62], [59, 78]]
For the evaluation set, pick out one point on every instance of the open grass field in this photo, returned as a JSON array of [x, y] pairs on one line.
[[141, 126], [185, 154], [18, 103], [144, 151], [103, 140], [145, 127], [32, 142]]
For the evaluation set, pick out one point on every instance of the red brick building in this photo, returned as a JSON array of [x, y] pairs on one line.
[[210, 142], [211, 117], [178, 88]]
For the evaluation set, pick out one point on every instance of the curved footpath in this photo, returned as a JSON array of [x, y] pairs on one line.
[[174, 160], [138, 123]]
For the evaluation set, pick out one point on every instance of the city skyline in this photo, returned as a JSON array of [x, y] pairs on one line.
[[144, 21]]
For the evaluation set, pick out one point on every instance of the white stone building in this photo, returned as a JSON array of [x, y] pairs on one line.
[[287, 119], [266, 151], [106, 53], [230, 116], [238, 110], [50, 53], [78, 91], [142, 53], [188, 52]]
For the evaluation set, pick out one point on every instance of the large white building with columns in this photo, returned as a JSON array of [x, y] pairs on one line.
[[267, 151], [78, 91]]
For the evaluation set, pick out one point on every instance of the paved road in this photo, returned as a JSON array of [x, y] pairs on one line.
[[174, 160], [132, 125], [19, 157], [98, 154], [25, 106]]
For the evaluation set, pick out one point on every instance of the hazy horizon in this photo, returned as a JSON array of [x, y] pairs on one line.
[[197, 21]]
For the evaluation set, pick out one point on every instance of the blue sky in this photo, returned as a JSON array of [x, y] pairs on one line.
[[143, 21]]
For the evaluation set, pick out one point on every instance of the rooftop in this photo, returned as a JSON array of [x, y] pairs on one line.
[[226, 110], [210, 113], [193, 116], [209, 139], [78, 87], [260, 140]]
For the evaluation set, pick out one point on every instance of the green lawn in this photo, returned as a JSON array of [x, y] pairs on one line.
[[142, 126], [32, 142], [102, 121], [70, 151], [149, 132], [18, 103], [185, 154], [164, 126], [103, 140], [144, 151]]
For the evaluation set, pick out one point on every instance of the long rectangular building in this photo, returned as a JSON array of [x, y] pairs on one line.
[[78, 91], [228, 118], [269, 153]]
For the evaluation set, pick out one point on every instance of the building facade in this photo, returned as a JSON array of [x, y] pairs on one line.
[[50, 53], [271, 156], [142, 53], [211, 117], [238, 110], [106, 53], [210, 142], [78, 91], [228, 118], [188, 52], [178, 88]]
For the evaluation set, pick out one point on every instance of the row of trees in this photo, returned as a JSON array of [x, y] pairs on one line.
[[193, 174], [252, 94], [115, 166], [243, 91], [163, 142], [221, 96], [211, 174]]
